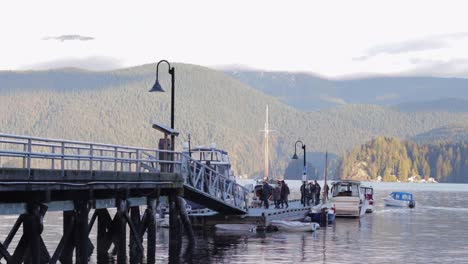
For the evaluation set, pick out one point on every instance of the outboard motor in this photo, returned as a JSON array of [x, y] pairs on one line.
[[412, 204]]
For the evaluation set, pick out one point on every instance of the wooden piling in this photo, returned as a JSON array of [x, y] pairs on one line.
[[81, 229], [121, 232]]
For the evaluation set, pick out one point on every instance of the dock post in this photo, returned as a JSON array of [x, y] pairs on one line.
[[82, 247], [121, 232], [324, 217], [31, 229], [103, 242], [150, 222], [135, 237], [68, 223], [180, 206], [175, 236]]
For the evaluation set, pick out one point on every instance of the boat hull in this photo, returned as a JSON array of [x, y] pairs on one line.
[[294, 226], [236, 227], [398, 203]]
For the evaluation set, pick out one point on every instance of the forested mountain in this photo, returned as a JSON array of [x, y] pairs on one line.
[[309, 92], [394, 160], [115, 107]]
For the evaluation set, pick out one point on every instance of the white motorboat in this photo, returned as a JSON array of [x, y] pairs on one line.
[[348, 198], [236, 227], [401, 199], [294, 226]]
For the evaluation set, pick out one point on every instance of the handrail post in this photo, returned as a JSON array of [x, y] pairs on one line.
[[62, 159], [121, 161], [138, 163], [91, 157], [115, 159], [100, 160], [53, 158], [29, 157], [78, 166]]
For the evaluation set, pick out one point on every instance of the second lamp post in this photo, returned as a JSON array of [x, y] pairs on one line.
[[304, 173]]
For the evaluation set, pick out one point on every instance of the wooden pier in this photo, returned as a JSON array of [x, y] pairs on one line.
[[83, 179]]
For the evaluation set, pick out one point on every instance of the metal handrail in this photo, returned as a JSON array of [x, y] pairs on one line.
[[37, 150], [79, 143], [216, 185], [36, 153]]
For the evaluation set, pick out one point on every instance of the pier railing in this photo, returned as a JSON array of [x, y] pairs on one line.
[[56, 154], [30, 153]]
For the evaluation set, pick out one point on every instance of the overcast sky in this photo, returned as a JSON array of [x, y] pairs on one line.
[[331, 38]]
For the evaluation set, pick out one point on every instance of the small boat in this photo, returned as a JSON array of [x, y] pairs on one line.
[[368, 198], [236, 227], [294, 226], [402, 199]]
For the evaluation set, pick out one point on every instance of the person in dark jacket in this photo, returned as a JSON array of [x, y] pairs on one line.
[[317, 192], [284, 194], [312, 190], [277, 195], [304, 193], [267, 191]]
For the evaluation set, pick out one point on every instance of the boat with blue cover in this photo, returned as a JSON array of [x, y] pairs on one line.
[[402, 199]]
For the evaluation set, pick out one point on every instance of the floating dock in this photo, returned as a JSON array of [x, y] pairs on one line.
[[260, 217]]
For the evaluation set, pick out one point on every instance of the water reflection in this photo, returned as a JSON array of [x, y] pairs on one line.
[[436, 231]]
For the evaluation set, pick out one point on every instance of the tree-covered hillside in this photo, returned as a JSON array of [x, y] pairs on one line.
[[394, 160], [115, 107]]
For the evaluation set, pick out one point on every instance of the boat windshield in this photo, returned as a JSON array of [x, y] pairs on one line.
[[345, 189], [402, 196]]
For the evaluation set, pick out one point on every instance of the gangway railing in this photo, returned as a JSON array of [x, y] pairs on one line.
[[56, 154], [208, 181]]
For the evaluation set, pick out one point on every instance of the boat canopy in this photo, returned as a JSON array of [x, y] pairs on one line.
[[403, 196], [345, 188]]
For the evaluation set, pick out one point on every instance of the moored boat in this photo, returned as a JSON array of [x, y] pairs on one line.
[[401, 199], [236, 227], [347, 199], [294, 226]]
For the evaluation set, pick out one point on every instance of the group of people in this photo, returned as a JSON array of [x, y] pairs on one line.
[[279, 194], [310, 193]]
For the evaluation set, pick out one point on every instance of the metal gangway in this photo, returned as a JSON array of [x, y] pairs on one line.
[[202, 184]]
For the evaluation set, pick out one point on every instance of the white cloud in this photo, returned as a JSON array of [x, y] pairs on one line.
[[89, 63]]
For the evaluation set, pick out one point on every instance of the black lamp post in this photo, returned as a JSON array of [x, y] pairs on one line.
[[304, 176], [157, 88]]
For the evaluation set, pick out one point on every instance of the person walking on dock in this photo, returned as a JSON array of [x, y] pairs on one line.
[[304, 193], [267, 191], [284, 194], [317, 192], [312, 190], [277, 195]]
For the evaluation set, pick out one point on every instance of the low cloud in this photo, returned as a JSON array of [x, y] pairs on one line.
[[331, 99], [445, 68], [89, 63], [63, 38], [416, 45]]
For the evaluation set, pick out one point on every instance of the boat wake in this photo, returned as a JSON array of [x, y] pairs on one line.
[[445, 208]]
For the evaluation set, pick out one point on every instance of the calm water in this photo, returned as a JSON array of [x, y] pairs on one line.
[[436, 231]]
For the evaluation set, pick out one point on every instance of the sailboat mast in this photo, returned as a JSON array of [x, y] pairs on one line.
[[267, 174]]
